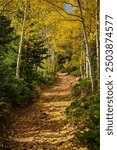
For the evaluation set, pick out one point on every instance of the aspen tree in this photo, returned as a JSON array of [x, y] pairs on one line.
[[87, 46], [21, 41], [97, 37]]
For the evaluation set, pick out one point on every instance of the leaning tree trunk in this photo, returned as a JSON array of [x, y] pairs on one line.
[[87, 46], [21, 42]]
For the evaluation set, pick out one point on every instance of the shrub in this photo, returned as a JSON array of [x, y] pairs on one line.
[[47, 78], [3, 107], [50, 77], [84, 86], [85, 113], [18, 91], [76, 73]]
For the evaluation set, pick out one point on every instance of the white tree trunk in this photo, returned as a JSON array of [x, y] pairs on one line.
[[87, 64], [21, 42], [81, 49], [97, 38], [87, 46]]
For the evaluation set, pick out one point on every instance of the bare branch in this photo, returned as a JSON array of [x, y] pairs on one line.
[[62, 9], [88, 11], [66, 18], [65, 2], [3, 9]]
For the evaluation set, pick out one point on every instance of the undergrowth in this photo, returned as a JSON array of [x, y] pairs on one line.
[[84, 113]]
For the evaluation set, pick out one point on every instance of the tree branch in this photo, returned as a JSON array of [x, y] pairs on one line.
[[69, 3], [88, 11], [62, 9], [66, 18], [3, 9]]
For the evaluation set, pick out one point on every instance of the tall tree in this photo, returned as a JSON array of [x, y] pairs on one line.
[[87, 46], [97, 37], [21, 40]]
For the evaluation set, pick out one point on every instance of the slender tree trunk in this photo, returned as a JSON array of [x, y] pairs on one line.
[[97, 38], [21, 41], [53, 61], [52, 54], [87, 65], [81, 59], [87, 46]]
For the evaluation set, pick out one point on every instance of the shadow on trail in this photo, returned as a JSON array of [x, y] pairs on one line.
[[43, 125]]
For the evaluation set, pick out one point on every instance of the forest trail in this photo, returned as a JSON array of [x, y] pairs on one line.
[[44, 126]]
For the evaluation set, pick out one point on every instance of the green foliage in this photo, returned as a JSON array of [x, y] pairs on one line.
[[94, 65], [76, 73], [75, 59], [17, 91], [47, 78], [33, 55], [6, 59], [81, 88], [3, 108], [50, 77], [20, 90], [69, 61], [6, 31], [62, 58], [85, 113], [11, 89]]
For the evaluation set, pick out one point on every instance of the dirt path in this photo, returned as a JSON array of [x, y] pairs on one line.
[[44, 126]]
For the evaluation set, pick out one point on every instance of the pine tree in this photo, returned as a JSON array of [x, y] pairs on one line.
[[6, 58], [32, 58], [6, 32]]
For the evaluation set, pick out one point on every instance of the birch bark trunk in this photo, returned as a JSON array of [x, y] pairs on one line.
[[21, 42], [87, 46], [81, 49], [97, 39]]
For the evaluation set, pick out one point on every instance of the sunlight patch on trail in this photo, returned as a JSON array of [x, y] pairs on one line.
[[56, 104], [45, 126]]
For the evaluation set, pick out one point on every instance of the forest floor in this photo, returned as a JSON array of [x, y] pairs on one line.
[[43, 125]]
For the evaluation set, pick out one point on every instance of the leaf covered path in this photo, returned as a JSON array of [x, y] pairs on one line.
[[44, 126]]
